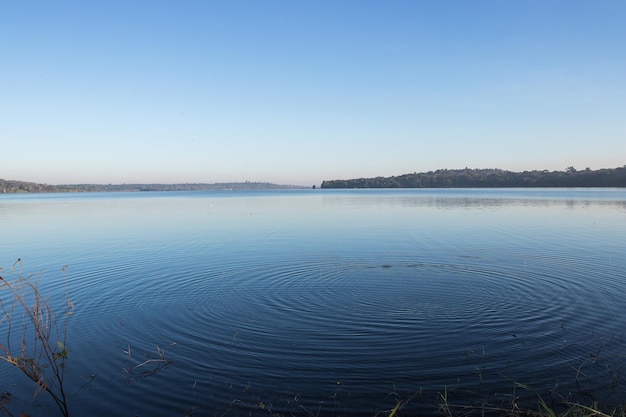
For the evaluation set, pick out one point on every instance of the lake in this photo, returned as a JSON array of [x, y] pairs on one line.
[[326, 302]]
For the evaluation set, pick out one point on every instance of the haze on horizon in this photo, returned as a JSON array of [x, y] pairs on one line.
[[300, 92]]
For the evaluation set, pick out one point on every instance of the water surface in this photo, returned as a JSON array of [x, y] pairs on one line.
[[329, 302]]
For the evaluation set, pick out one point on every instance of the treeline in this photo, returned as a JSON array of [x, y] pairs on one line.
[[491, 178], [9, 186]]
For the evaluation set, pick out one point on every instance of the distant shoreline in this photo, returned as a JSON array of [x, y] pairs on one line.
[[491, 178], [442, 178], [15, 187]]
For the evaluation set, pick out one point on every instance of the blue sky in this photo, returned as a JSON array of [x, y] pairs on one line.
[[296, 92]]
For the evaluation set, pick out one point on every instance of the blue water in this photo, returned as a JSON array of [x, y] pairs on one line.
[[326, 302]]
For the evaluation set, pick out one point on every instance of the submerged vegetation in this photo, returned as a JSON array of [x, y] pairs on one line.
[[491, 178], [34, 342], [35, 337]]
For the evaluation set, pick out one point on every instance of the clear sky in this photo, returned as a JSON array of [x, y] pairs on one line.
[[299, 91]]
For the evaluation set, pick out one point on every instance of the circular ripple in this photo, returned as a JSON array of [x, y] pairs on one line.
[[315, 327]]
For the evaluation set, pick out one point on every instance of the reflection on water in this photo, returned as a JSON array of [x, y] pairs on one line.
[[331, 302]]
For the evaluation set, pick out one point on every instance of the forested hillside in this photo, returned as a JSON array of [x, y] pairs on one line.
[[10, 186], [491, 178]]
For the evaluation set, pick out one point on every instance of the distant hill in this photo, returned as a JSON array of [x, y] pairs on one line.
[[491, 178], [10, 186]]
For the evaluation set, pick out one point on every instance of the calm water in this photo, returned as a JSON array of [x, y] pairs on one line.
[[321, 302]]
